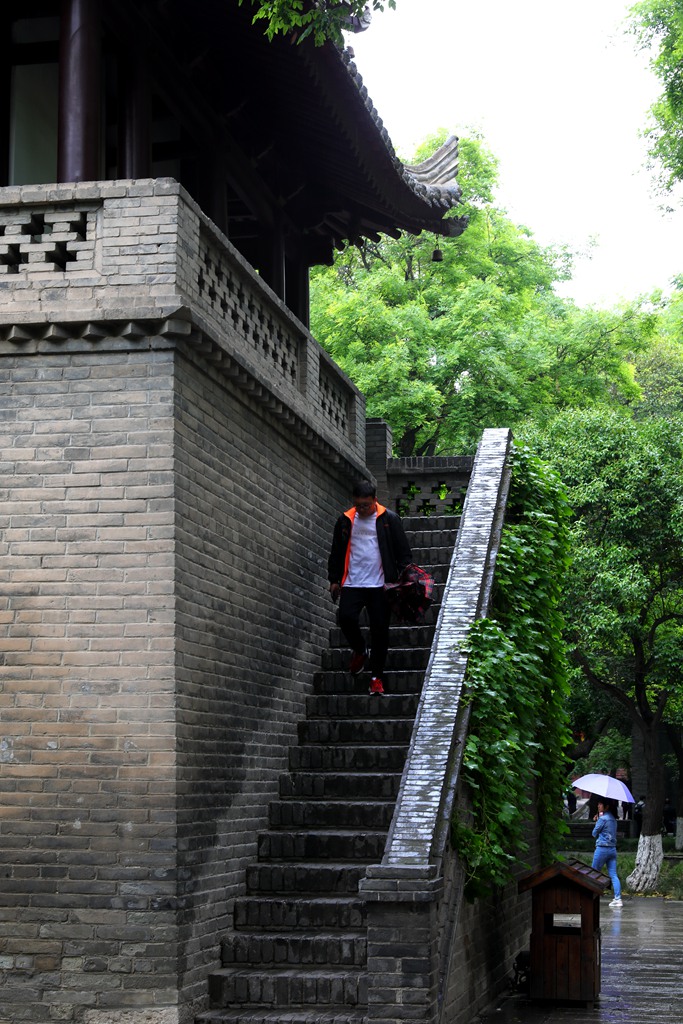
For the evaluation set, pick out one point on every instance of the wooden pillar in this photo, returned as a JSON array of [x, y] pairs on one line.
[[80, 101], [135, 135], [5, 93], [275, 274], [297, 289]]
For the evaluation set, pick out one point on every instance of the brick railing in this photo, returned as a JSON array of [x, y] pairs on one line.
[[428, 486], [416, 486]]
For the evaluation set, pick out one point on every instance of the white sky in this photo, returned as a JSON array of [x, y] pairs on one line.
[[560, 94]]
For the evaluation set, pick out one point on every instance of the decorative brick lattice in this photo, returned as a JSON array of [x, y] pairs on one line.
[[54, 239], [334, 403], [431, 496], [269, 339]]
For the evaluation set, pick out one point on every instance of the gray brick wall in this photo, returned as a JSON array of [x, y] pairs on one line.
[[87, 833], [162, 608], [489, 935], [135, 250], [167, 501], [254, 515]]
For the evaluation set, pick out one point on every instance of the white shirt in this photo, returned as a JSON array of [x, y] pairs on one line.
[[365, 561]]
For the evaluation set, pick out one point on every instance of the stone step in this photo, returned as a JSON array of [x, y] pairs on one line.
[[431, 615], [366, 814], [432, 551], [334, 949], [439, 572], [299, 950], [422, 538], [340, 786], [319, 845], [235, 986], [338, 660], [315, 879], [365, 705], [411, 524], [399, 636], [389, 731], [348, 758], [341, 681], [290, 1015], [289, 913]]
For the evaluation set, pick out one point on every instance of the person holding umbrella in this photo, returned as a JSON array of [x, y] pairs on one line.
[[608, 790], [605, 835]]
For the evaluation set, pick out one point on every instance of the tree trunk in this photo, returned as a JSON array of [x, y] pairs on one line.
[[674, 734], [649, 857], [582, 748], [406, 444], [650, 854]]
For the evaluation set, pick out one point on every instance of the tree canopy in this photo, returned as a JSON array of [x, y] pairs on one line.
[[478, 337], [658, 24], [323, 19], [659, 369], [623, 600]]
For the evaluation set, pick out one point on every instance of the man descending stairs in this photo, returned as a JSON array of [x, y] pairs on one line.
[[298, 952]]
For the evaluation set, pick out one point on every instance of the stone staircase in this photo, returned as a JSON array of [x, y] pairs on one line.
[[298, 952]]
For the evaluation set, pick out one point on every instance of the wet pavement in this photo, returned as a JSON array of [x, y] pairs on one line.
[[642, 972]]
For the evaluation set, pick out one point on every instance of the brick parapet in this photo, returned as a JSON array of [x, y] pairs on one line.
[[82, 261], [378, 442]]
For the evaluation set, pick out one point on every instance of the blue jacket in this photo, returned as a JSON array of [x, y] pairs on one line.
[[605, 831]]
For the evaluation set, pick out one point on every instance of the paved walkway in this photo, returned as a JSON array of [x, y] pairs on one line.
[[642, 971]]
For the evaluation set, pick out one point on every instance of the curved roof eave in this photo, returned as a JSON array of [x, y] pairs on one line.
[[417, 197]]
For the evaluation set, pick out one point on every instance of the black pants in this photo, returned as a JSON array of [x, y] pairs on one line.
[[351, 604]]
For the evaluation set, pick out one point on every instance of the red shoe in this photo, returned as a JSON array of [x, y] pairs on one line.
[[376, 687], [358, 663]]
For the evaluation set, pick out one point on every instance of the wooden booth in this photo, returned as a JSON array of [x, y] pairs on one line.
[[565, 931]]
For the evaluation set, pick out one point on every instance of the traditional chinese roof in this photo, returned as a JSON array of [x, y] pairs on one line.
[[296, 124], [433, 184]]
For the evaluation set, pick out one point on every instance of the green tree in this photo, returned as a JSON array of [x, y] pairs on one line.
[[479, 338], [610, 752], [659, 368], [658, 25], [623, 600], [323, 19]]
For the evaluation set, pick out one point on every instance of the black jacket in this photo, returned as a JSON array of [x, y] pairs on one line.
[[394, 548]]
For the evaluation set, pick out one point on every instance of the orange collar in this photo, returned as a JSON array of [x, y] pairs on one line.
[[351, 512]]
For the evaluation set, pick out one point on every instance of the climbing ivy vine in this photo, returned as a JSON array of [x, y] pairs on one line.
[[517, 684]]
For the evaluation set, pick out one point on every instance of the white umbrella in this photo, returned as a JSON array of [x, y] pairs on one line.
[[604, 785]]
